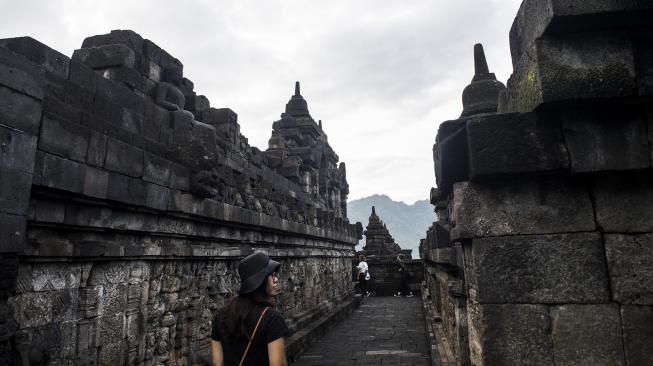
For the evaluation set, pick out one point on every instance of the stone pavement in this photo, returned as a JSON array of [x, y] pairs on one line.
[[382, 331]]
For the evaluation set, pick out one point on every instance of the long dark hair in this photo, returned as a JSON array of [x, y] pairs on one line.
[[241, 313]]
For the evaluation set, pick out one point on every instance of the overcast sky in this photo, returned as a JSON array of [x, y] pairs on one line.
[[381, 75]]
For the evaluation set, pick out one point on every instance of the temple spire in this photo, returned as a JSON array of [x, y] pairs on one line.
[[373, 211], [480, 63], [297, 87]]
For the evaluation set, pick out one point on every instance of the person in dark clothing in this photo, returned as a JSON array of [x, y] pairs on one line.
[[248, 330], [403, 278]]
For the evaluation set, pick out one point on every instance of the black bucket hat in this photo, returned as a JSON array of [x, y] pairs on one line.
[[254, 269]]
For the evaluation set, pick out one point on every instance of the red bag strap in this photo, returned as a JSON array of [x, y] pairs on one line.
[[253, 334]]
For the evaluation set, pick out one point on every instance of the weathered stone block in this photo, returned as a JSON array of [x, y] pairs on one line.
[[97, 149], [156, 169], [104, 56], [179, 177], [20, 82], [587, 335], [126, 189], [123, 158], [56, 107], [630, 264], [541, 17], [17, 150], [580, 66], [643, 61], [606, 138], [450, 154], [623, 204], [127, 37], [108, 111], [83, 76], [157, 196], [512, 144], [529, 206], [79, 97], [62, 173], [96, 182], [561, 268], [15, 189], [509, 334], [20, 111], [124, 76], [49, 211], [12, 233], [637, 325], [63, 138], [40, 54]]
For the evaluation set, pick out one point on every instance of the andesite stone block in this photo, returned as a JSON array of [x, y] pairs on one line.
[[12, 233], [63, 138], [539, 269], [126, 189], [510, 334], [537, 18], [15, 190], [514, 143], [572, 68], [40, 54], [643, 61], [104, 56], [623, 203], [587, 335], [157, 197], [20, 111], [20, 81], [606, 138], [156, 169], [539, 205], [83, 76], [127, 37], [450, 154], [97, 149], [62, 173], [630, 264], [79, 97], [96, 182], [637, 325], [124, 158], [179, 177], [57, 107], [17, 150]]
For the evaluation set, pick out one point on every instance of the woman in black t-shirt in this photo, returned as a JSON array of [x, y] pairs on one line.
[[248, 330]]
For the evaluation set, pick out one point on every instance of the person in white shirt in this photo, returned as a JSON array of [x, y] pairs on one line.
[[363, 275]]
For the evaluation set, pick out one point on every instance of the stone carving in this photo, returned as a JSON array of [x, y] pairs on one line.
[[167, 93]]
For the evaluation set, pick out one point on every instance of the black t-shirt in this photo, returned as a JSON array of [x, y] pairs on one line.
[[272, 327]]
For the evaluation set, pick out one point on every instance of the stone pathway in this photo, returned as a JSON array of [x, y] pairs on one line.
[[382, 331]]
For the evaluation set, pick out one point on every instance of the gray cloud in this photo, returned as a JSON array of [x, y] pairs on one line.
[[381, 74]]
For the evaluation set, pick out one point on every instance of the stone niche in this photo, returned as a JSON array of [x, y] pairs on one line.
[[542, 252], [126, 202]]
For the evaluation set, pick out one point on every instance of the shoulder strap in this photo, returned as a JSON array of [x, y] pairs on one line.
[[253, 334]]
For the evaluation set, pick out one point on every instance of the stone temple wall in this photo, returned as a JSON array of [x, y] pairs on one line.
[[126, 202], [543, 249]]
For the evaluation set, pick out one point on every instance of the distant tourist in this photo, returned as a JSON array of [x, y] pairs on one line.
[[363, 275], [403, 278], [248, 330]]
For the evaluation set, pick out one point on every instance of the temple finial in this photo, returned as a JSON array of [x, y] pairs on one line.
[[297, 88], [480, 64], [373, 211]]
